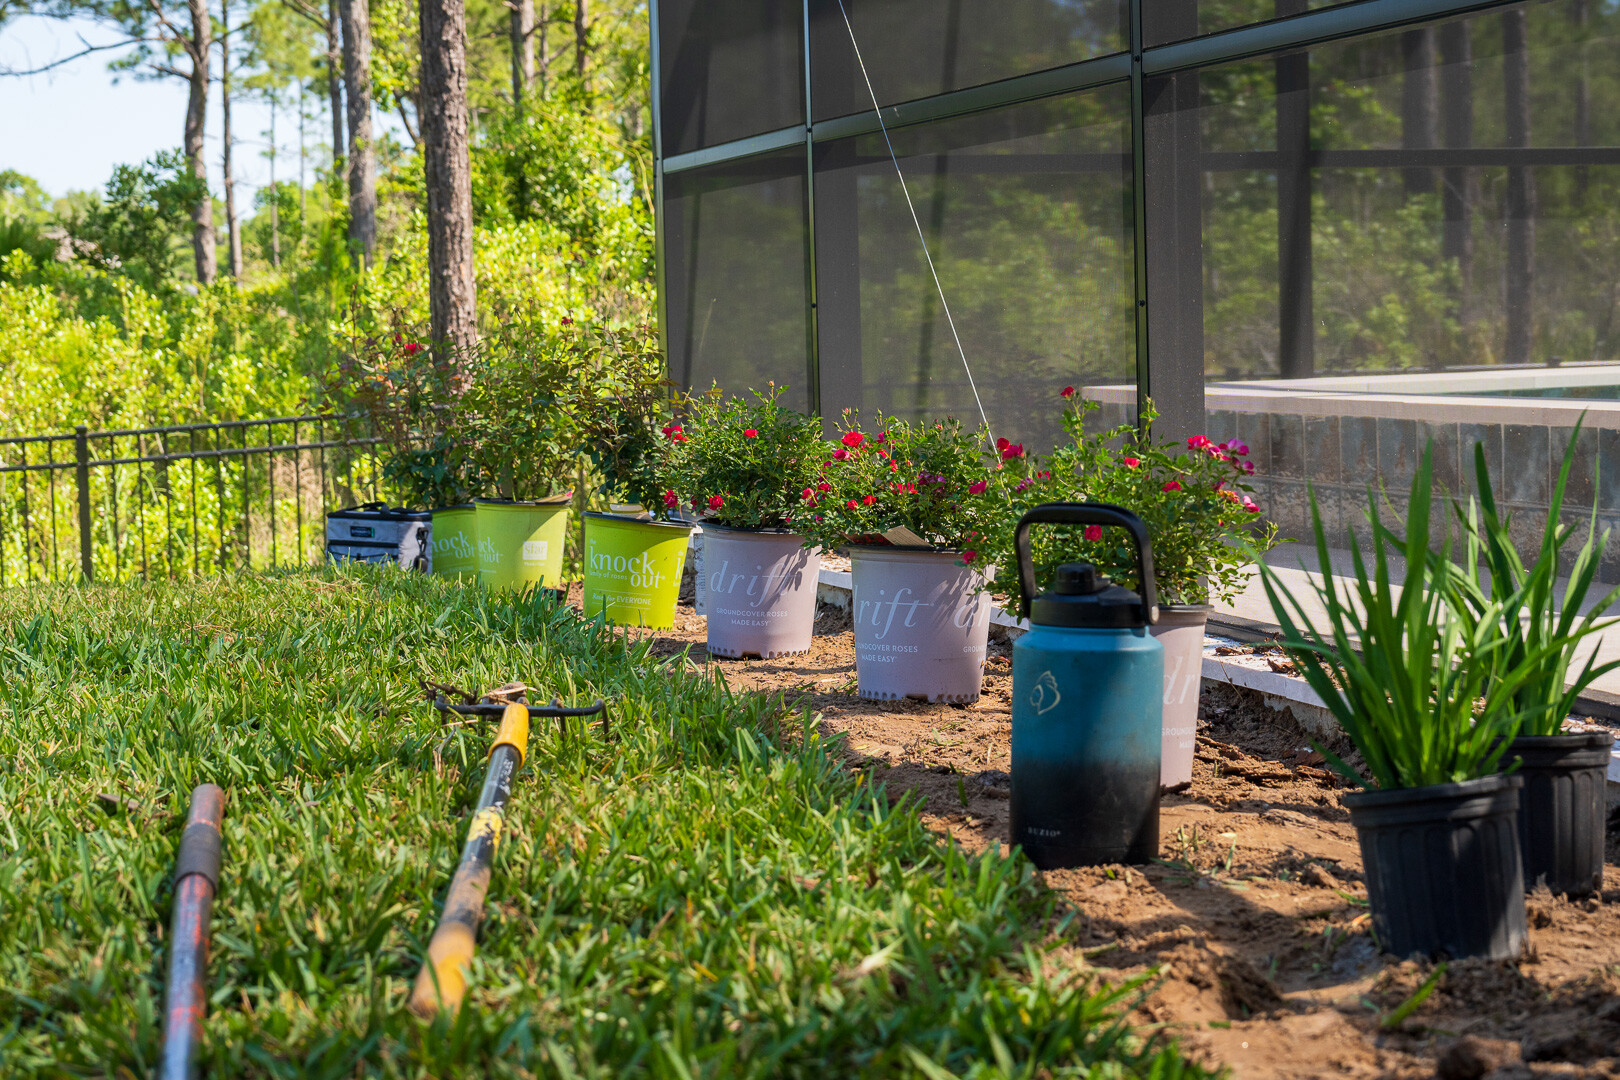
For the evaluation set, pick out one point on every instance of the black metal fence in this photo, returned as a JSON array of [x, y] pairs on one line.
[[190, 499]]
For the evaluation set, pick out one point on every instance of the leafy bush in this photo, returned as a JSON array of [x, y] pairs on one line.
[[1205, 527], [933, 479], [140, 228], [744, 464]]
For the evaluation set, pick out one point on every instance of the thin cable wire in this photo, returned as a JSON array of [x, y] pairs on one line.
[[915, 221]]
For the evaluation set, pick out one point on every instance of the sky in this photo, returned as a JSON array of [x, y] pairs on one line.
[[69, 127]]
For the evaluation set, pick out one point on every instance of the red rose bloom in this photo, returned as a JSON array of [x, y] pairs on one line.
[[969, 556], [852, 504], [824, 486], [807, 495], [1068, 391], [716, 502], [1130, 462], [1170, 485], [670, 500], [869, 500], [977, 487], [840, 455], [853, 439], [1093, 532], [750, 433]]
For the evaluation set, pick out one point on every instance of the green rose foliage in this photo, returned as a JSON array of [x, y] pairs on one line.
[[517, 415], [1205, 527], [743, 463], [944, 484]]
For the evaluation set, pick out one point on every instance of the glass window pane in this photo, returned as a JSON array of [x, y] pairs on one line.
[[1430, 198], [1429, 211], [1025, 210], [736, 278], [728, 69], [919, 48]]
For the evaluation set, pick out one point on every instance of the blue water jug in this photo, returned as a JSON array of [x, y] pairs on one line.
[[1088, 693]]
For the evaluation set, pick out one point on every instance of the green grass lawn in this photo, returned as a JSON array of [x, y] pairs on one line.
[[705, 892]]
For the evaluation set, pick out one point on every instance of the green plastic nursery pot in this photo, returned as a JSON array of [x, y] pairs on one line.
[[1444, 875], [455, 541], [633, 569], [520, 542]]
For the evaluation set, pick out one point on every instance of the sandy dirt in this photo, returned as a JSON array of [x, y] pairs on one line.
[[1255, 914]]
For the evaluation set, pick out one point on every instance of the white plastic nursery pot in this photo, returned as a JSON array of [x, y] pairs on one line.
[[1180, 630], [759, 591], [633, 569], [922, 621]]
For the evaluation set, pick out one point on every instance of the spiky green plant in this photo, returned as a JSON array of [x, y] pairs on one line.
[[1536, 621], [1395, 664]]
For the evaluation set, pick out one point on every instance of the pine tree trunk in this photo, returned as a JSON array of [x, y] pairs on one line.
[[334, 82], [522, 33], [581, 40], [231, 222], [452, 297], [275, 196], [202, 214], [362, 154]]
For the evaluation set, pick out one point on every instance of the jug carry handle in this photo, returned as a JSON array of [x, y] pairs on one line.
[[1086, 514]]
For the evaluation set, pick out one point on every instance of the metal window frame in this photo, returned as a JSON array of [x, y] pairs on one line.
[[1134, 65]]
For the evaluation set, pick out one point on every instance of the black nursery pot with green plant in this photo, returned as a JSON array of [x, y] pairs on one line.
[[1443, 866], [1402, 670], [1563, 807]]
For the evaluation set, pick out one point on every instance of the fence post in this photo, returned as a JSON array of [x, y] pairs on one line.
[[81, 454]]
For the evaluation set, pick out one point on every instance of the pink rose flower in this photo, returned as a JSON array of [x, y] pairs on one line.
[[1198, 442], [840, 455], [978, 487]]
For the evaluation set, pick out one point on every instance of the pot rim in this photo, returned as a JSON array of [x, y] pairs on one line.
[[748, 530], [1493, 784], [1573, 740], [903, 549], [560, 502], [1186, 609], [452, 506], [626, 519]]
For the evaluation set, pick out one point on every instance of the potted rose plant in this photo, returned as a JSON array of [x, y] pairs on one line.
[[1206, 529], [1425, 694], [635, 551], [743, 467], [1563, 806], [920, 506]]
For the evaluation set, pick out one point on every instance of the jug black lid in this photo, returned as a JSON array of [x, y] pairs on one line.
[[1082, 597]]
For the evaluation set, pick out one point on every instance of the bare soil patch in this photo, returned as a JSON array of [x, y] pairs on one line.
[[1256, 913]]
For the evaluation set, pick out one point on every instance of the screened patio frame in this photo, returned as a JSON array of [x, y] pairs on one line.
[[1172, 377]]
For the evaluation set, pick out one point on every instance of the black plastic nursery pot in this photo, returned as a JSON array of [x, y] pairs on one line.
[[1562, 808], [1444, 876]]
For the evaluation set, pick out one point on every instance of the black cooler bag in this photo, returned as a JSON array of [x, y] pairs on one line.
[[374, 533]]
